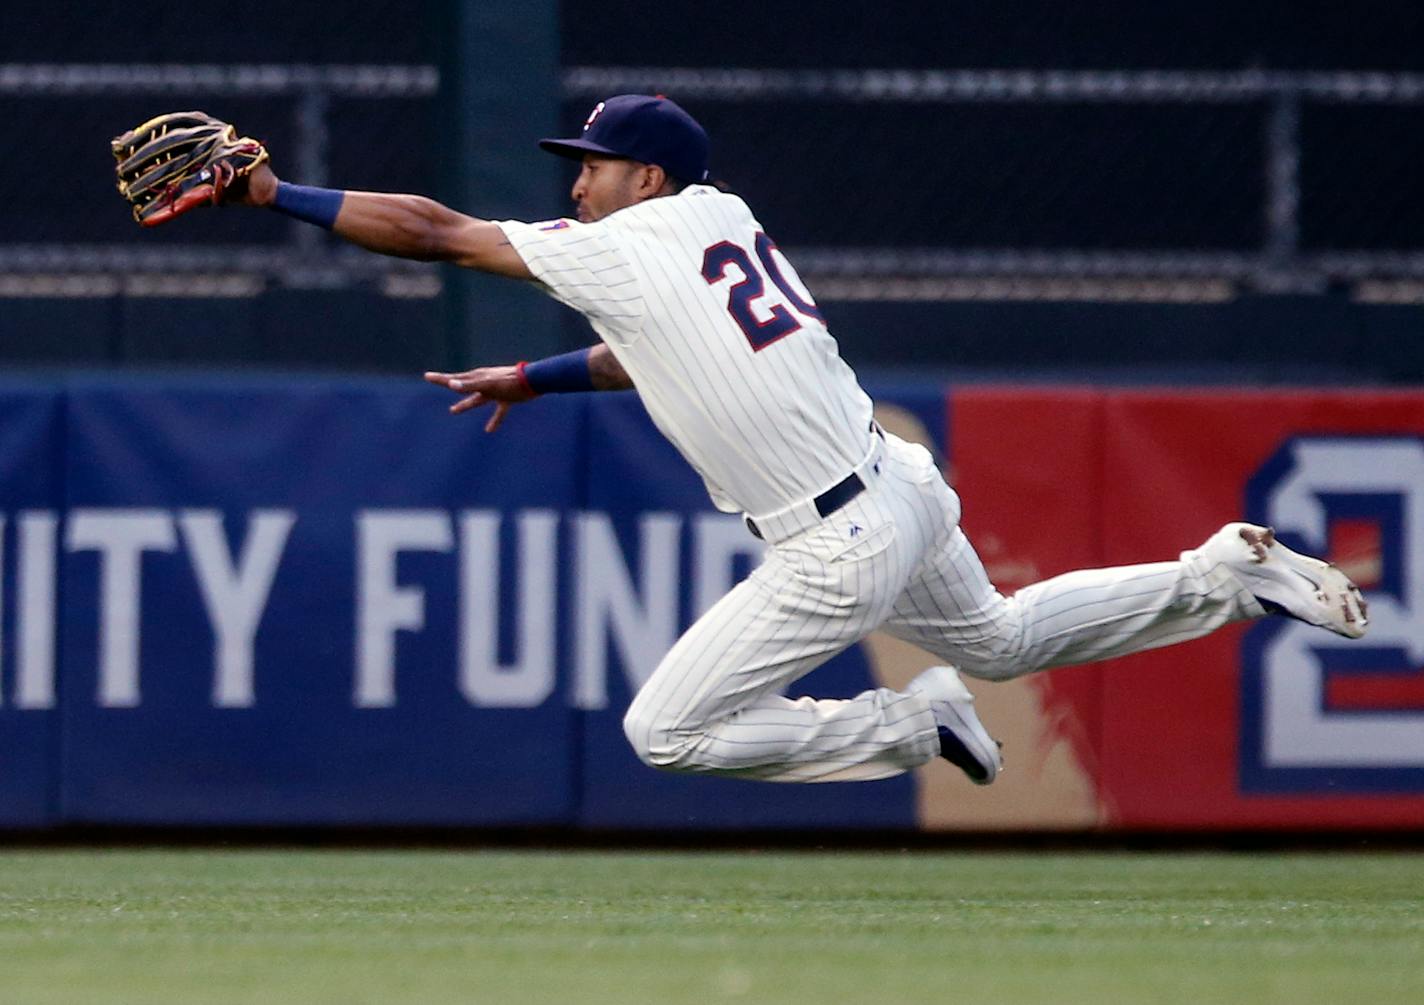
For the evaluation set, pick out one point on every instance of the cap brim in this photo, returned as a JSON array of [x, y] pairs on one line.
[[575, 149]]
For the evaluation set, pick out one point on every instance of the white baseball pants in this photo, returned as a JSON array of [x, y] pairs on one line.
[[893, 558]]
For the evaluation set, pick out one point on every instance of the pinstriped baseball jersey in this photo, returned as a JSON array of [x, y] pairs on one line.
[[726, 347]]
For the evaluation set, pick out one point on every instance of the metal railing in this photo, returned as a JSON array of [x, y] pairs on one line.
[[206, 270], [1279, 265]]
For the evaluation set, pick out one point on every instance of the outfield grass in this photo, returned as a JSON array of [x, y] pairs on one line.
[[585, 928]]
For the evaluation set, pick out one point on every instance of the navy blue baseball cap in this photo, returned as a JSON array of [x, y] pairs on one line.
[[641, 127]]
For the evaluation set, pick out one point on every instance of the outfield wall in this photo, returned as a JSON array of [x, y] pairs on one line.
[[326, 602]]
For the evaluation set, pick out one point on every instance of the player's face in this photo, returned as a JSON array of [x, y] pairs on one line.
[[605, 185]]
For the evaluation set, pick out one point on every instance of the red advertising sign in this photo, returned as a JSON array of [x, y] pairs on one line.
[[1271, 724]]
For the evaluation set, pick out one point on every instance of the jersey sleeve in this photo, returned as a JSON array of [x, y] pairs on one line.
[[580, 265]]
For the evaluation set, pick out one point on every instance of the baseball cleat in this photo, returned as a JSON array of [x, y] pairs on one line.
[[1288, 583], [963, 740]]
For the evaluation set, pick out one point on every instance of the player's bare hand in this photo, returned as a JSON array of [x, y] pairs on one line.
[[259, 188], [501, 386]]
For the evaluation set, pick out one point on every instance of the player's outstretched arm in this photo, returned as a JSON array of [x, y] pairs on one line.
[[594, 369], [406, 226]]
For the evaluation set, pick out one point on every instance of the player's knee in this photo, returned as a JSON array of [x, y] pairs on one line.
[[638, 728], [994, 663], [1000, 654], [996, 670], [653, 737]]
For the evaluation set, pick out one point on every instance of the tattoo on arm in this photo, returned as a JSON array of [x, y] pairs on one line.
[[606, 372]]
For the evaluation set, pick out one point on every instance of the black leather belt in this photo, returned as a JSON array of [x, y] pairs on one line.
[[834, 497], [828, 501]]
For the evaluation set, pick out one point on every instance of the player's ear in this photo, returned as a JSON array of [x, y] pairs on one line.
[[652, 181]]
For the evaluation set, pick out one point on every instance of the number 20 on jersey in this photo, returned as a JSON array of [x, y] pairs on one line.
[[781, 320]]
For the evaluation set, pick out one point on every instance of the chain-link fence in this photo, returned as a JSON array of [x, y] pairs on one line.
[[365, 118], [888, 179], [1278, 181], [338, 100]]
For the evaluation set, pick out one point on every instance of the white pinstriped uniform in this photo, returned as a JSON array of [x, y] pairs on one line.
[[771, 429], [762, 428]]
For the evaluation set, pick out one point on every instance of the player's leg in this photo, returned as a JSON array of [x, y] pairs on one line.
[[714, 704], [950, 608]]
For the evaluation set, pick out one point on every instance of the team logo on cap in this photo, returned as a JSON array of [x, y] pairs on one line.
[[597, 111]]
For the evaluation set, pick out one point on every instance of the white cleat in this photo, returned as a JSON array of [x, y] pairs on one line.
[[963, 740], [1285, 582]]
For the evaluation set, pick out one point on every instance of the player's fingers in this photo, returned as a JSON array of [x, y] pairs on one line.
[[467, 403], [438, 379], [223, 173], [495, 420]]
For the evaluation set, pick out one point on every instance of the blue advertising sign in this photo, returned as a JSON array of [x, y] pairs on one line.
[[313, 602], [31, 483]]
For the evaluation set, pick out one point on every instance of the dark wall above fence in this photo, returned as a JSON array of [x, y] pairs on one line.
[[1114, 164]]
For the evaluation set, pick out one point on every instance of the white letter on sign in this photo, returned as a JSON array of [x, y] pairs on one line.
[[34, 684], [235, 594], [608, 603], [719, 540], [383, 607], [121, 536], [529, 680]]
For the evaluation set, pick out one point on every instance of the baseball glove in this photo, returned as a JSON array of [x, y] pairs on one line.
[[181, 160]]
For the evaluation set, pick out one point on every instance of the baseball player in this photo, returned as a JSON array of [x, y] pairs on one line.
[[697, 309]]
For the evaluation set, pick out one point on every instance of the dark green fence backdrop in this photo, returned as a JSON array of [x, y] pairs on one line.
[[1187, 190]]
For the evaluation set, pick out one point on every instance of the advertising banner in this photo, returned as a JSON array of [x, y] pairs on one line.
[[266, 601], [31, 485], [1271, 724], [313, 603], [1027, 465], [1276, 723]]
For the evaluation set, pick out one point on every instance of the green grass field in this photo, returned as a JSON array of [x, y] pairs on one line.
[[883, 928]]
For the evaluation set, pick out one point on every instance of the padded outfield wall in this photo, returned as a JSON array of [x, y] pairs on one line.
[[326, 602]]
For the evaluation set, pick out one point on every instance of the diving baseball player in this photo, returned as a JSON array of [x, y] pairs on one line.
[[697, 309]]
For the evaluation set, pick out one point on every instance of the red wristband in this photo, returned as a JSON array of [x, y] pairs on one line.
[[523, 380]]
